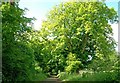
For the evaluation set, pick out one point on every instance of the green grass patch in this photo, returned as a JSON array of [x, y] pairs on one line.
[[98, 76], [39, 77]]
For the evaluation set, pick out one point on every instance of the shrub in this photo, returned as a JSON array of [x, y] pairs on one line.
[[72, 63]]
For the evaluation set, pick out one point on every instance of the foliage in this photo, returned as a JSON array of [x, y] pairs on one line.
[[72, 33], [110, 63], [72, 64], [18, 56], [79, 28], [103, 71]]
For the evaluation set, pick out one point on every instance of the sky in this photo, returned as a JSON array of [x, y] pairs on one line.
[[40, 8]]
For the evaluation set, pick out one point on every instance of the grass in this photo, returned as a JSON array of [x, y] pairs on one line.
[[39, 77], [98, 76]]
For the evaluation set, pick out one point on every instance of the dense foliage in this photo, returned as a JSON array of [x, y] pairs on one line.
[[78, 33], [17, 55], [102, 71], [76, 36]]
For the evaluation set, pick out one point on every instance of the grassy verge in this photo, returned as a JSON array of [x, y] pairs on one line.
[[98, 76], [39, 77]]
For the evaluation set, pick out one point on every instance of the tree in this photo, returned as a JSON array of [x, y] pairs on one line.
[[82, 29], [17, 54]]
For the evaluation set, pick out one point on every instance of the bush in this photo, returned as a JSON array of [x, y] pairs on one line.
[[72, 63], [73, 66]]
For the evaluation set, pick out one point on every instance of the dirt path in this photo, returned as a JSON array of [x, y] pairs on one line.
[[52, 79]]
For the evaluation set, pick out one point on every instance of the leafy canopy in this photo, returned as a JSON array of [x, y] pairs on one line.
[[80, 28]]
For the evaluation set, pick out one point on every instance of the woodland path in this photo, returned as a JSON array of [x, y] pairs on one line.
[[52, 79]]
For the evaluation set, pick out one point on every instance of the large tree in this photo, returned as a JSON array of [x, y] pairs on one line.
[[82, 29]]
